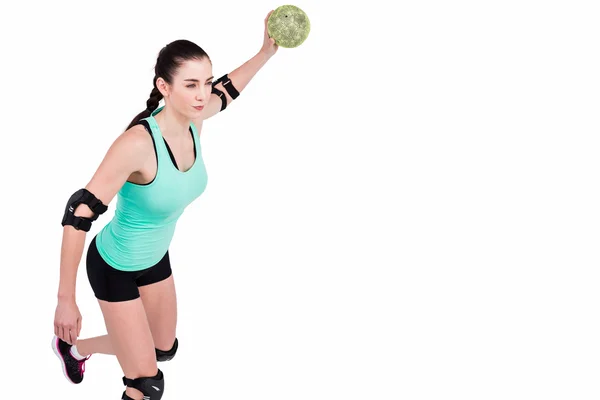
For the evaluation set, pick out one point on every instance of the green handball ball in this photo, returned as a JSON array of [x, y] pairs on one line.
[[289, 26]]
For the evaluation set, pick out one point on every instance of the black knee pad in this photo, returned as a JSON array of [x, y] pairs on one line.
[[169, 354], [152, 387]]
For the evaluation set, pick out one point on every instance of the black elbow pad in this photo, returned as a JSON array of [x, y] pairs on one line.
[[79, 197], [231, 90]]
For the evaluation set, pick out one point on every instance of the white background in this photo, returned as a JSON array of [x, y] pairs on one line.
[[404, 207]]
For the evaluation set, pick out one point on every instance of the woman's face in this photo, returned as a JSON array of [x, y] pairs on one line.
[[191, 87]]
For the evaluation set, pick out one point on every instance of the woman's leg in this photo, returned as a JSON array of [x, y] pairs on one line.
[[157, 290], [94, 345], [131, 340], [160, 303]]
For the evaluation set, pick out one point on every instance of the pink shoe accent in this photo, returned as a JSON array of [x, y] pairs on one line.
[[82, 364]]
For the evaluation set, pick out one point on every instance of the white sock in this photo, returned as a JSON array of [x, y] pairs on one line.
[[75, 353]]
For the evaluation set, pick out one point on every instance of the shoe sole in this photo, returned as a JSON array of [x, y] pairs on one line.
[[60, 357]]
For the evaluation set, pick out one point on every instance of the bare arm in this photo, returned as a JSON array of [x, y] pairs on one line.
[[242, 75], [125, 156]]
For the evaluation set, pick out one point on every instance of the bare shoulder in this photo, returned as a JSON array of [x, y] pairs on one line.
[[126, 155], [135, 141], [129, 150], [136, 137]]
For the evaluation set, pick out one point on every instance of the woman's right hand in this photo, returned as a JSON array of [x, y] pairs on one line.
[[67, 321]]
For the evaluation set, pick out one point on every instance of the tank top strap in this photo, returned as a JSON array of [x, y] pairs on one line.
[[161, 147]]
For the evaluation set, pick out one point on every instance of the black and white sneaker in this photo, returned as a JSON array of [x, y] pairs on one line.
[[72, 367]]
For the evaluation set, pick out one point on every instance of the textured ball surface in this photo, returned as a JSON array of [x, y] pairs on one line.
[[288, 25]]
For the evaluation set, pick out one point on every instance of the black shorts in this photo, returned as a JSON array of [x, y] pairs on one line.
[[111, 284]]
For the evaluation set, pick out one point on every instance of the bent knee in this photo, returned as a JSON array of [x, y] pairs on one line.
[[152, 387], [166, 355]]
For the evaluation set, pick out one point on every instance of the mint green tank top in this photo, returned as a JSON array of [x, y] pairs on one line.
[[145, 217]]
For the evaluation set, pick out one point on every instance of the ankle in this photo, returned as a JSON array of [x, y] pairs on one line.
[[79, 351]]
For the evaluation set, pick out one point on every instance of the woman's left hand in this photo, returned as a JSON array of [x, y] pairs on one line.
[[269, 48]]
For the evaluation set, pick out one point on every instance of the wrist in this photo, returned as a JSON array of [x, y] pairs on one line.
[[66, 296], [264, 55]]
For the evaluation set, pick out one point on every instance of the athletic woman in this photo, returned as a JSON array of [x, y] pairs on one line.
[[156, 169]]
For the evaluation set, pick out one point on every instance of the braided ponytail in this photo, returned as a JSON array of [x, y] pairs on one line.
[[151, 105], [152, 102]]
